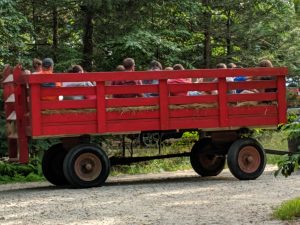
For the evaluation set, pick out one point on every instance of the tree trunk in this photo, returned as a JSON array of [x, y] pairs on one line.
[[55, 33], [228, 37], [87, 40], [34, 22], [207, 34]]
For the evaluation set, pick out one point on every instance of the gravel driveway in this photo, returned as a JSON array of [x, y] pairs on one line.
[[165, 198]]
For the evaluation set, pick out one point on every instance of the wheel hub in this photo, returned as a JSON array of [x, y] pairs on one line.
[[249, 159], [88, 166]]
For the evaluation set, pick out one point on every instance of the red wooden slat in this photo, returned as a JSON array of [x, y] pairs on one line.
[[268, 96], [69, 91], [73, 129], [248, 85], [182, 100], [192, 123], [252, 110], [129, 102], [245, 121], [69, 118], [150, 75], [129, 89], [69, 104]]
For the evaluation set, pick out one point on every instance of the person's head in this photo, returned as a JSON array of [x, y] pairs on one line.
[[265, 63], [155, 65], [120, 68], [221, 66], [37, 64], [169, 68], [47, 64], [129, 64], [231, 66], [76, 69], [178, 67]]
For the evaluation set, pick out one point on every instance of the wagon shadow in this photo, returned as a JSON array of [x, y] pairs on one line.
[[128, 181], [162, 180]]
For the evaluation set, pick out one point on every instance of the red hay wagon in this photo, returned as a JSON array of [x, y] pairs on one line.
[[223, 118]]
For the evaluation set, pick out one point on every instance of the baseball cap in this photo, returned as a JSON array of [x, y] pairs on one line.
[[47, 63]]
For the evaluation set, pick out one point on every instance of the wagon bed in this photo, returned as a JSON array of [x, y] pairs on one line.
[[29, 116]]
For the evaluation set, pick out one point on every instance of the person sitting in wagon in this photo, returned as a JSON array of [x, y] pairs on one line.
[[77, 69], [129, 65], [154, 66], [47, 68], [179, 81]]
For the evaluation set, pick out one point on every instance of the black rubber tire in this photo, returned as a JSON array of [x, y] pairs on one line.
[[52, 165], [69, 166], [203, 151], [235, 152]]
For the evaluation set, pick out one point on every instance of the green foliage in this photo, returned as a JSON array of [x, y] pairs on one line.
[[154, 166], [170, 31], [292, 130], [288, 164], [288, 210], [21, 173], [14, 33], [3, 143]]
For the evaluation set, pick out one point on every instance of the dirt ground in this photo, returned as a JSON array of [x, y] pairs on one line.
[[166, 198]]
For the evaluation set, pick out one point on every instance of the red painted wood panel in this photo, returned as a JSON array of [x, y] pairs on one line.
[[163, 105], [150, 75], [162, 115]]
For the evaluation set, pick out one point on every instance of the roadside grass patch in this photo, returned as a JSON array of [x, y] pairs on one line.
[[12, 173], [288, 210]]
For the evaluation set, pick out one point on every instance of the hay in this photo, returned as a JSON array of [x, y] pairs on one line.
[[194, 106], [133, 109], [66, 111]]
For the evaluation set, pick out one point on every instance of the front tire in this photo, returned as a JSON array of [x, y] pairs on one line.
[[204, 159], [246, 159], [86, 165]]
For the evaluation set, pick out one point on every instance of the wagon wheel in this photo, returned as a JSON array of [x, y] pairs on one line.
[[204, 159], [52, 164], [246, 159], [150, 139], [86, 165]]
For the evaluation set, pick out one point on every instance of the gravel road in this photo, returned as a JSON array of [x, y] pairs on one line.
[[166, 198]]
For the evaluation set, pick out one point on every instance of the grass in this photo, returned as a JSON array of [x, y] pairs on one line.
[[289, 210]]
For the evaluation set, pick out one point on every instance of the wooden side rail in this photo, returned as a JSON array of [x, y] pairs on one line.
[[104, 114]]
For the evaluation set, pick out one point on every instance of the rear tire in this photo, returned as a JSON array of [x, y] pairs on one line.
[[204, 159], [86, 165], [246, 159], [52, 165]]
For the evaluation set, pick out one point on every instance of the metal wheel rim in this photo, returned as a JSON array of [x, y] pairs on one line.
[[88, 166], [249, 159], [150, 139]]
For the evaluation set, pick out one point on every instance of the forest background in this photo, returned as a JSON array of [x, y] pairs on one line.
[[98, 34]]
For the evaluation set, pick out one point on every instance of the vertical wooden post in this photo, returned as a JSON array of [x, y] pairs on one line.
[[281, 96], [20, 102], [101, 111], [164, 104], [35, 111], [223, 108]]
